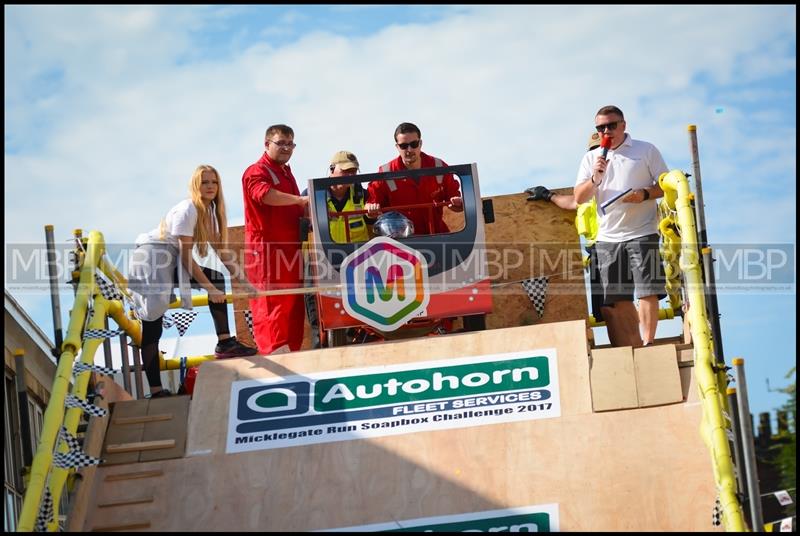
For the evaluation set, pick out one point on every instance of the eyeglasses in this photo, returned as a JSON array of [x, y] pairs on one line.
[[609, 126], [413, 144], [283, 145]]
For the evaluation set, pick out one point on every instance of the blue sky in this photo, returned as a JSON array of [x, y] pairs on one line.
[[109, 109]]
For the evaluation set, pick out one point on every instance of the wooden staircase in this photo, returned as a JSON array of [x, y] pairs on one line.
[[128, 486]]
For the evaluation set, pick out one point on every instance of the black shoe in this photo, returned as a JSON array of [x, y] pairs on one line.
[[161, 394], [232, 348]]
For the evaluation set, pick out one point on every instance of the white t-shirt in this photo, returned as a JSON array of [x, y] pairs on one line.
[[634, 164], [180, 221]]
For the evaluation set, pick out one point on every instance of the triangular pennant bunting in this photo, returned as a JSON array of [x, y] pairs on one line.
[[75, 402], [537, 292], [83, 367], [248, 317], [181, 319], [75, 457], [101, 333], [45, 516], [783, 497]]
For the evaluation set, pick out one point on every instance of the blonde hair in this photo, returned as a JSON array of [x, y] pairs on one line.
[[204, 231]]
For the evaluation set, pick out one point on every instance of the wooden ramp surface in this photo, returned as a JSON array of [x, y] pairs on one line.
[[643, 469]]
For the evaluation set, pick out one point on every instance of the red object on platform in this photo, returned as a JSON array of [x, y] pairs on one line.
[[188, 381]]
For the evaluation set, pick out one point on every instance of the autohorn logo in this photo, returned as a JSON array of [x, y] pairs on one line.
[[269, 401], [385, 283]]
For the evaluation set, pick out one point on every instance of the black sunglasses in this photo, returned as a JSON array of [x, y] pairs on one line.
[[609, 126], [413, 144]]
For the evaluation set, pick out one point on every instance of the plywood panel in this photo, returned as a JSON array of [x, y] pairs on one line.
[[630, 470], [175, 428], [127, 433], [533, 239], [214, 378], [657, 378], [613, 379], [636, 470]]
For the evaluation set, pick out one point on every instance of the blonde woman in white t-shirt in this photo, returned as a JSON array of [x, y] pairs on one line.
[[163, 260]]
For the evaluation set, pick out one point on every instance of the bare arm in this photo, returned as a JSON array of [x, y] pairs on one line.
[[567, 202], [586, 190], [639, 195]]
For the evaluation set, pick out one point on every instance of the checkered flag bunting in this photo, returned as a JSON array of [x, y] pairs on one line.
[[537, 292], [75, 457], [45, 516], [107, 288], [83, 367], [248, 317], [101, 333], [716, 515], [71, 441], [181, 320], [74, 402]]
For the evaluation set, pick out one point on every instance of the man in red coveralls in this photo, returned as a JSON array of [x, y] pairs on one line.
[[273, 207], [385, 194]]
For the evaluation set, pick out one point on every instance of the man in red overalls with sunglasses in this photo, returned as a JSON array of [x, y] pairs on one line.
[[382, 195]]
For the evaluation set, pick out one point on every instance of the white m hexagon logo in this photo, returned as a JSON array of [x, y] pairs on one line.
[[385, 283]]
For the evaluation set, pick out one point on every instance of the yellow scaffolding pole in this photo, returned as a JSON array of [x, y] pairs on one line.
[[54, 413], [713, 427]]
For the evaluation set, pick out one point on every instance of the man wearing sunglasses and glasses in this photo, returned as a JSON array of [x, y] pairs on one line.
[[627, 237], [385, 194], [273, 208]]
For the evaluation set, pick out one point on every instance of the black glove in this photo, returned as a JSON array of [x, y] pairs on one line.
[[538, 193]]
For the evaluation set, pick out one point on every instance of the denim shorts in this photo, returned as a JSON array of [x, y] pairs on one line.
[[631, 268]]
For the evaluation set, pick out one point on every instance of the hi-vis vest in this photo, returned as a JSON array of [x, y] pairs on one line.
[[586, 221], [587, 226], [358, 227]]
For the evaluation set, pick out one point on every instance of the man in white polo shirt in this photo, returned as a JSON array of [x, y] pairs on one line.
[[627, 238]]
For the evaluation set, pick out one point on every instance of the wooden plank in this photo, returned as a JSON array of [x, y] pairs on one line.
[[175, 429], [125, 502], [657, 378], [128, 526], [125, 434], [613, 379], [143, 418], [140, 445], [132, 476]]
